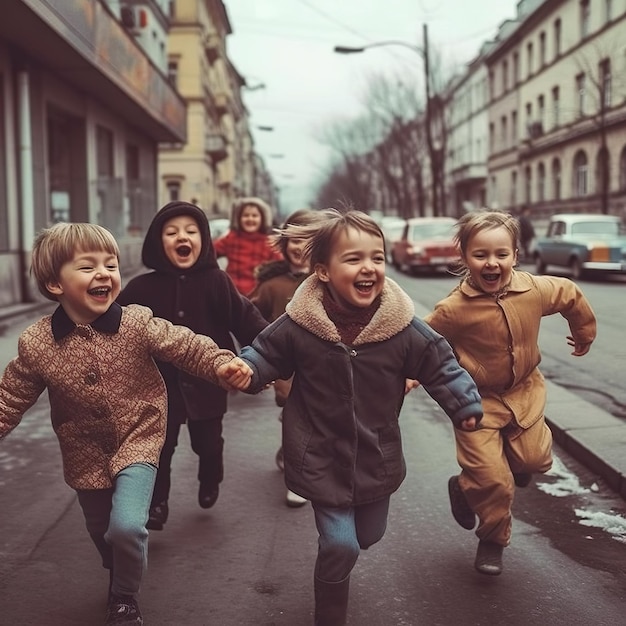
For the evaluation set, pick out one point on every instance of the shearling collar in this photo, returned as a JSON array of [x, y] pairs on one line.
[[108, 322], [519, 283], [395, 313]]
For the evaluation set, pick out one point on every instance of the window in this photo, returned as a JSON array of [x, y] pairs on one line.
[[556, 106], [529, 56], [491, 94], [104, 152], [513, 188], [608, 10], [132, 162], [585, 12], [541, 182], [542, 49], [541, 109], [556, 179], [514, 127], [505, 76], [172, 73], [580, 93], [503, 132], [492, 137], [605, 82], [557, 38], [529, 116], [580, 174], [529, 183], [515, 69], [173, 190]]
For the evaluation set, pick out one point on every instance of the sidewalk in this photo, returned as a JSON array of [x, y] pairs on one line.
[[592, 436]]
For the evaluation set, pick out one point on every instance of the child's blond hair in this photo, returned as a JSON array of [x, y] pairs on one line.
[[58, 244], [323, 232]]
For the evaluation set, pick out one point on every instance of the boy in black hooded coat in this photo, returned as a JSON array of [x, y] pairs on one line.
[[187, 287]]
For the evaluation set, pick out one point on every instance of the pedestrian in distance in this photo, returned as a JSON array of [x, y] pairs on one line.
[[350, 339], [186, 286], [492, 320], [526, 233], [107, 399], [277, 281], [247, 244]]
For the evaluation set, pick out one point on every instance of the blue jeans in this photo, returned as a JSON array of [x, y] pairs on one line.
[[116, 520], [343, 532]]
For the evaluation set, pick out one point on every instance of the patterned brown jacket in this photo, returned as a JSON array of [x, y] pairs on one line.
[[107, 398]]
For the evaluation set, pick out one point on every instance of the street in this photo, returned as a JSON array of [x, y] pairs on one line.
[[249, 560]]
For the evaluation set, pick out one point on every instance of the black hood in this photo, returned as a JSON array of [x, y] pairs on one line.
[[152, 253]]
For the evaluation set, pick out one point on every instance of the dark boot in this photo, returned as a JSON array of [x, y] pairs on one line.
[[331, 602], [158, 516]]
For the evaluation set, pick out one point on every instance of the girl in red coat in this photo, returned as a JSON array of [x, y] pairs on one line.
[[247, 244]]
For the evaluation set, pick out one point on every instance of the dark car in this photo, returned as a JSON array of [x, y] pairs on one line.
[[427, 244], [583, 243]]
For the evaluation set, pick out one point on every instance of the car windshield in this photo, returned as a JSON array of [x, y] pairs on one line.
[[595, 228], [433, 231]]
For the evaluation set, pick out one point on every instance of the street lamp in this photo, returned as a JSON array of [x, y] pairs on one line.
[[423, 53]]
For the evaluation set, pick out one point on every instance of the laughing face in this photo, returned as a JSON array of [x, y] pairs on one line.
[[297, 261], [355, 273], [251, 219], [490, 257], [182, 241], [87, 285]]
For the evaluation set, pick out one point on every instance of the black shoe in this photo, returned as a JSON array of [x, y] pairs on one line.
[[123, 610], [461, 510], [207, 495], [522, 480], [158, 516], [489, 558]]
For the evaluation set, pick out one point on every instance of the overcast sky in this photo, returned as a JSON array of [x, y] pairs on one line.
[[288, 46]]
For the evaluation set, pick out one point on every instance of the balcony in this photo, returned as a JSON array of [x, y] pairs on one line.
[[215, 147], [222, 102], [86, 46], [212, 47]]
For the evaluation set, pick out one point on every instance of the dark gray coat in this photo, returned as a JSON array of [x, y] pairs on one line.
[[341, 437]]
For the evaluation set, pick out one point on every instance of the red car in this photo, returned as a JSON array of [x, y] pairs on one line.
[[427, 244]]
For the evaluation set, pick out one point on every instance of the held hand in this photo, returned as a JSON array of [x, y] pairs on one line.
[[469, 424], [580, 349], [235, 374], [410, 384]]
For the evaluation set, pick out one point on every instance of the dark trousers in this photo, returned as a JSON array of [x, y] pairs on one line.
[[206, 442]]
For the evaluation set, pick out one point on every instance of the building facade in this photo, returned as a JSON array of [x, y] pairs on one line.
[[83, 109], [557, 115]]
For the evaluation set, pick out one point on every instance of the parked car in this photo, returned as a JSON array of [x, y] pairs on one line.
[[583, 243], [218, 226], [392, 228], [427, 243]]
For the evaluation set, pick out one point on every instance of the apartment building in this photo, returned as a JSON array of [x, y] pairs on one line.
[[468, 124], [83, 109], [557, 116], [217, 164]]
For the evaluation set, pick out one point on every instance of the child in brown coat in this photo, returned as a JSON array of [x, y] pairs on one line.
[[108, 401]]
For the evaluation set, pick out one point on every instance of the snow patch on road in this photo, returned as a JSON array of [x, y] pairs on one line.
[[609, 522], [566, 483]]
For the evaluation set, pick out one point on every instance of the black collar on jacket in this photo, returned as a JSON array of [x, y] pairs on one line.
[[108, 322]]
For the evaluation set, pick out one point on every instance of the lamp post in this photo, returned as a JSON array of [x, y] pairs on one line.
[[423, 53]]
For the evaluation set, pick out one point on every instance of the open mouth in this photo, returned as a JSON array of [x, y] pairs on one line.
[[491, 278], [99, 292], [183, 251], [364, 286]]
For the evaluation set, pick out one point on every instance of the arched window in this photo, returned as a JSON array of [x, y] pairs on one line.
[[556, 179], [541, 182], [581, 187]]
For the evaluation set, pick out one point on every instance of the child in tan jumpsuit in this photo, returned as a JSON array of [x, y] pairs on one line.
[[492, 320]]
